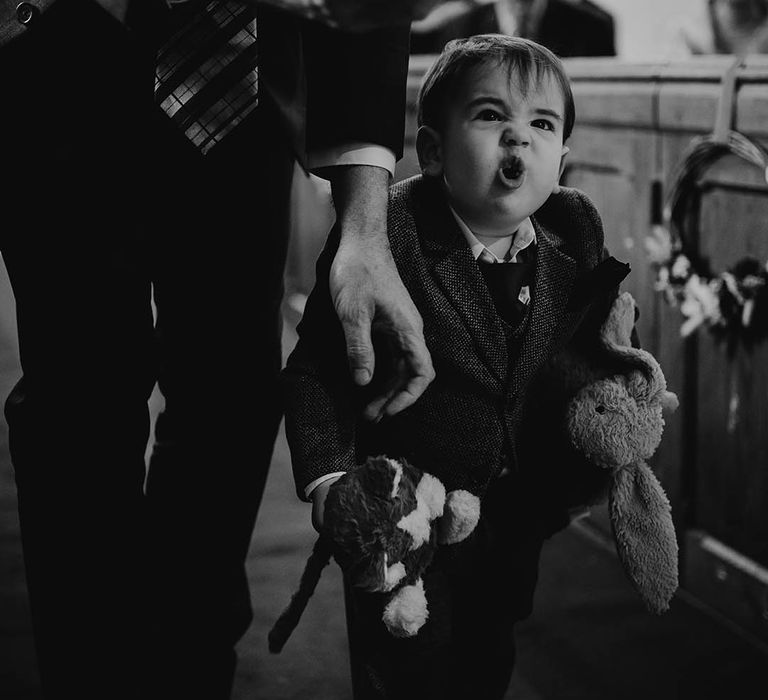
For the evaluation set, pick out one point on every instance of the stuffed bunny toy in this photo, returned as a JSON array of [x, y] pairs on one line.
[[617, 423], [382, 523]]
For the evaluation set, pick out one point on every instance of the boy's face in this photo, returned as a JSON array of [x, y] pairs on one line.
[[500, 151]]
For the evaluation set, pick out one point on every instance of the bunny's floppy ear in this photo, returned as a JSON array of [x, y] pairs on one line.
[[616, 337], [639, 510], [616, 332], [646, 543]]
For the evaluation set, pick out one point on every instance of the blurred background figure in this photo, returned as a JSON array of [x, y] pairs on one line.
[[727, 27], [567, 27]]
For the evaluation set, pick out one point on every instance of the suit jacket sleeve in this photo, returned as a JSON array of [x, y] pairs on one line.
[[320, 399], [356, 86]]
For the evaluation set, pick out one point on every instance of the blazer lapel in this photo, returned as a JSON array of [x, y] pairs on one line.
[[460, 280], [555, 275]]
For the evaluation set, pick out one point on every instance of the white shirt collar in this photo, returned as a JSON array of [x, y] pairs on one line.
[[515, 242]]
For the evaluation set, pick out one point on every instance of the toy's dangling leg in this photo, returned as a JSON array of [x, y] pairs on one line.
[[407, 611], [289, 618]]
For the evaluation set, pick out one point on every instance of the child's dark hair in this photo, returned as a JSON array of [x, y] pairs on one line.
[[529, 60]]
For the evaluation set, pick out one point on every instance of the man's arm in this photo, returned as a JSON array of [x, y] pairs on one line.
[[368, 294], [356, 86]]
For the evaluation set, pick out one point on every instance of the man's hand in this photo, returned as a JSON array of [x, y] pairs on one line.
[[369, 296], [318, 496]]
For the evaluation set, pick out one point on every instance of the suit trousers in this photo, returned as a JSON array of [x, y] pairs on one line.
[[136, 578], [476, 591]]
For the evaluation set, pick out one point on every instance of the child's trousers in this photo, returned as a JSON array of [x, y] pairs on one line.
[[475, 591]]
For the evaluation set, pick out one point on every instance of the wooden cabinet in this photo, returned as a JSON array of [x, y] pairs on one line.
[[633, 123]]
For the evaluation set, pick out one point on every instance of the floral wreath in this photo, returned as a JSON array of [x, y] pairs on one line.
[[732, 304]]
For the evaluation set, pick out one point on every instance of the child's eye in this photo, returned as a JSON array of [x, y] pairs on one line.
[[544, 124], [489, 115]]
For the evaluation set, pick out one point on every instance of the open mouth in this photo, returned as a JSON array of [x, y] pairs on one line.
[[512, 171]]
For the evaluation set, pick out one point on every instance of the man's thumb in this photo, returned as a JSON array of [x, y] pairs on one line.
[[359, 352]]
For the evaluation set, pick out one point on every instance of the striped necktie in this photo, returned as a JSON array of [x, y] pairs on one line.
[[206, 76]]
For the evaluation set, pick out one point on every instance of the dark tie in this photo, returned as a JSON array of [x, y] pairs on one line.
[[207, 76], [505, 280]]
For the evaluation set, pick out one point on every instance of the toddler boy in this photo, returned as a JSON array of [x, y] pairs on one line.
[[496, 256]]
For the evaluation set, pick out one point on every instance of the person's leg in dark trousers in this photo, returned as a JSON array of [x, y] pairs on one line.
[[476, 591], [218, 295], [75, 128], [385, 667], [494, 590]]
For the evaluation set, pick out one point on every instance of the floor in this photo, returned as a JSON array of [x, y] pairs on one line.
[[588, 639]]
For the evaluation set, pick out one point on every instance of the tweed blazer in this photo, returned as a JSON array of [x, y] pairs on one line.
[[463, 428]]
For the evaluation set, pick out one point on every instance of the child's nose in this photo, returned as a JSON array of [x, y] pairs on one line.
[[516, 135]]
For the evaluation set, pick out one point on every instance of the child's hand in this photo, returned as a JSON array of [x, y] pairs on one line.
[[318, 502]]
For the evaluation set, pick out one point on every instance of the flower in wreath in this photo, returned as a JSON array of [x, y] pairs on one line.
[[680, 270], [658, 246], [700, 304], [732, 304], [743, 294]]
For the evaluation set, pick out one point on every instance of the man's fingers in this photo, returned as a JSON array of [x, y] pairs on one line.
[[406, 397], [414, 373], [396, 399], [403, 388], [374, 411], [359, 351]]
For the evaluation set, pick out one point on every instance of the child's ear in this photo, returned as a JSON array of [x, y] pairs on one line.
[[430, 151], [556, 188]]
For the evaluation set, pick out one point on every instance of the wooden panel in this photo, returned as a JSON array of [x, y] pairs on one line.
[[688, 106], [729, 582], [694, 69], [752, 110], [615, 103], [693, 107], [614, 167], [731, 477]]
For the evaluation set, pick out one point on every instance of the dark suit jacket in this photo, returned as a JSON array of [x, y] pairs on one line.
[[568, 28], [328, 87], [333, 87], [464, 428]]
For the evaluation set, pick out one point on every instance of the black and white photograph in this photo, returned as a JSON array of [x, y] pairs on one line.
[[384, 350]]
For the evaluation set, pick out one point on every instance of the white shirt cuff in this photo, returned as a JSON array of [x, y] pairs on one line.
[[357, 153], [312, 485]]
